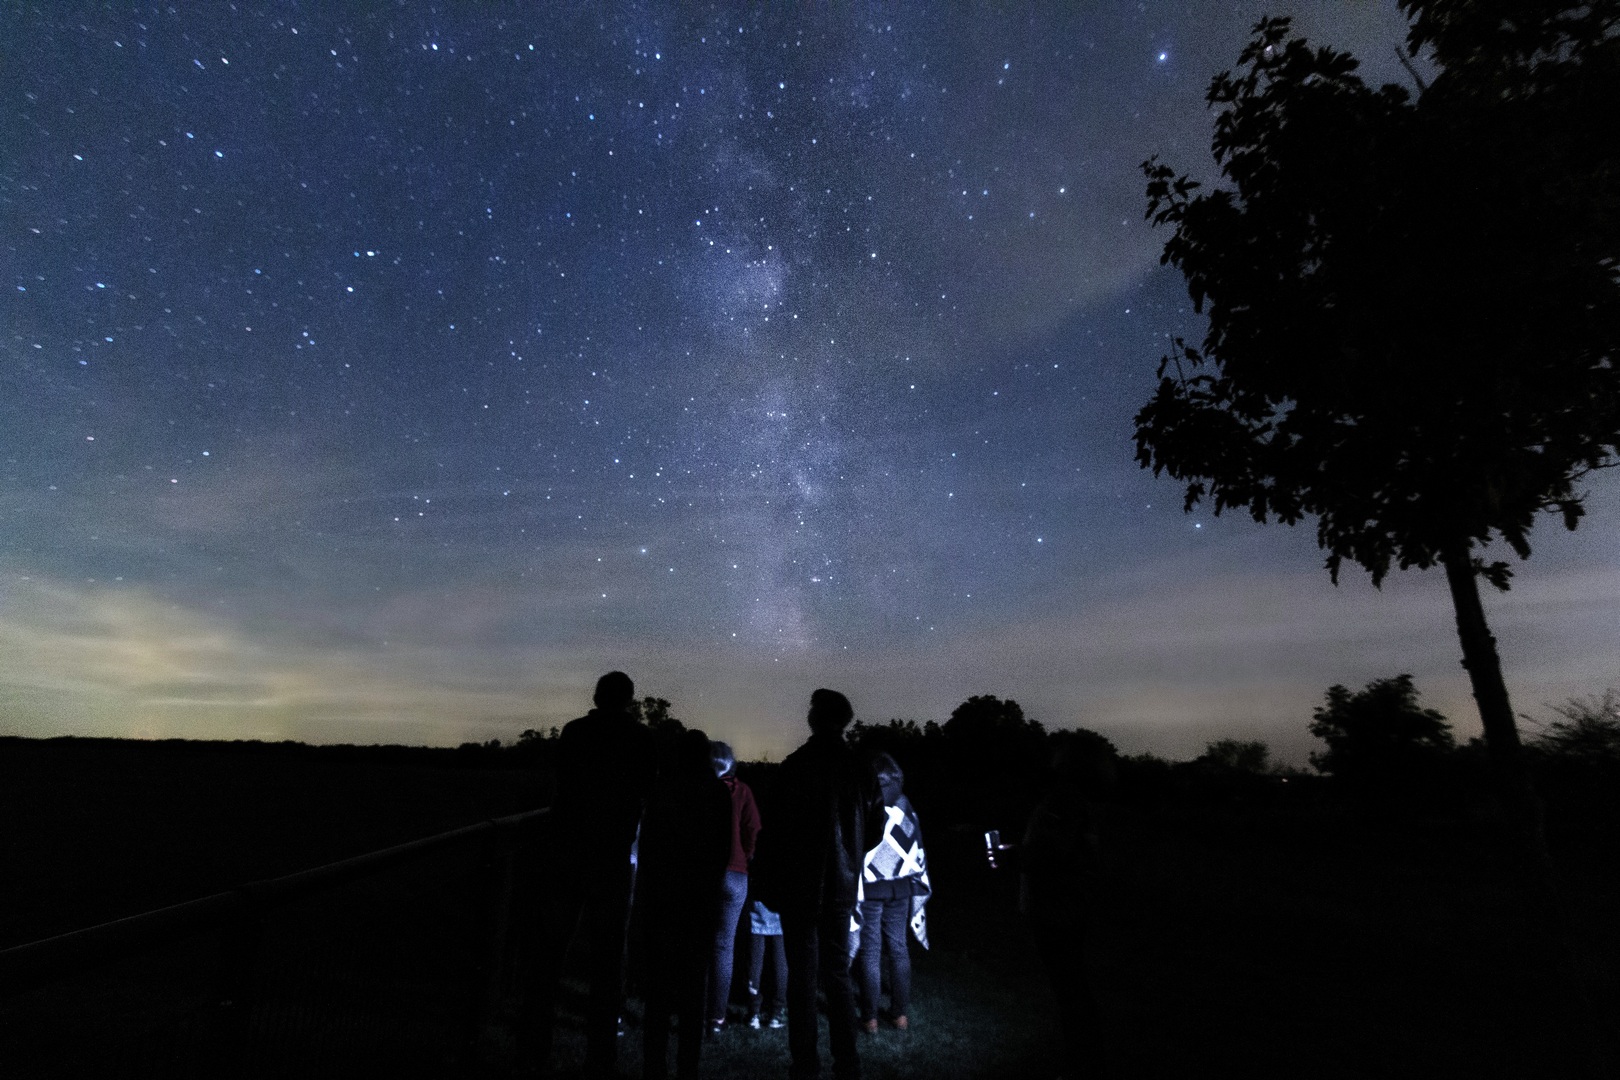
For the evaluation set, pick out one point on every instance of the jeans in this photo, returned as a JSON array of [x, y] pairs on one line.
[[732, 899], [883, 930], [675, 971], [1060, 943], [758, 946], [595, 900], [818, 955]]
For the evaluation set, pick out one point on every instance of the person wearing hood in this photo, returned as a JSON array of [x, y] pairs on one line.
[[1060, 874], [744, 832], [894, 888]]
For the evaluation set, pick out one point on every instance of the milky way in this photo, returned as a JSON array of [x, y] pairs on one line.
[[386, 373]]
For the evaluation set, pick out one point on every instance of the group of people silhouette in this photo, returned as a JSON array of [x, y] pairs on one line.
[[658, 855]]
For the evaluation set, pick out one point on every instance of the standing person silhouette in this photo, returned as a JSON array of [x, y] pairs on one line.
[[895, 887], [605, 769], [744, 833], [828, 814], [686, 841], [1059, 864]]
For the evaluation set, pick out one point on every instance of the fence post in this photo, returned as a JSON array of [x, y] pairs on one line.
[[235, 983], [494, 907]]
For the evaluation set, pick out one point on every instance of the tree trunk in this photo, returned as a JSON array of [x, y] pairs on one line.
[[1519, 803]]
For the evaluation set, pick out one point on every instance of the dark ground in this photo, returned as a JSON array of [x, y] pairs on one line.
[[1233, 937]]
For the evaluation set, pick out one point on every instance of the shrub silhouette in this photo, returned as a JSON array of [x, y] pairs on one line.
[[1577, 763], [1379, 741], [1237, 755], [1589, 732]]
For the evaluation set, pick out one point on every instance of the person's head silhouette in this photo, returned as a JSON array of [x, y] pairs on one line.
[[830, 712], [693, 754], [1081, 767], [614, 692]]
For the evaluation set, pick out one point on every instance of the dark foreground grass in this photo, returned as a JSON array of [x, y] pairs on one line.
[[1321, 954], [967, 1023], [1297, 940]]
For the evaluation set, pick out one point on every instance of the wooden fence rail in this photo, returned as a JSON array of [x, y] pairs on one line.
[[240, 915]]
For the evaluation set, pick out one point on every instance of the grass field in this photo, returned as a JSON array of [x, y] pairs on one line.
[[967, 1021]]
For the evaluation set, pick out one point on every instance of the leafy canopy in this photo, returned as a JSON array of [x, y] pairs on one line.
[[1236, 755], [1413, 306], [1588, 733], [1378, 735], [987, 716]]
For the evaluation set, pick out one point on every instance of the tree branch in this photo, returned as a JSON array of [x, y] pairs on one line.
[[1412, 71]]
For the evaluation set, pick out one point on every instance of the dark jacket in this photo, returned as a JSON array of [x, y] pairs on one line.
[[605, 770], [827, 813], [1059, 856], [685, 842]]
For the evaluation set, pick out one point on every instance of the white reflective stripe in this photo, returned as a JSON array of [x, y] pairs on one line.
[[910, 857]]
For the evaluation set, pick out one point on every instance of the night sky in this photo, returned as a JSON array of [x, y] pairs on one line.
[[386, 372]]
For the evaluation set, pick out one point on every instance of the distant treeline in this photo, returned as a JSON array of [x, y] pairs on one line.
[[467, 754], [1383, 756], [986, 764]]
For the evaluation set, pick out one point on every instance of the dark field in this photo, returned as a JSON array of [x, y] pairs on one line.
[[1265, 934], [105, 828]]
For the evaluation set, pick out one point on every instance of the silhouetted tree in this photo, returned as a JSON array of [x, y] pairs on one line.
[[1577, 762], [535, 749], [1589, 731], [477, 751], [986, 714], [897, 737], [531, 735], [1413, 308], [1237, 755], [1379, 740], [991, 757], [992, 740], [1146, 778], [655, 713], [1082, 742]]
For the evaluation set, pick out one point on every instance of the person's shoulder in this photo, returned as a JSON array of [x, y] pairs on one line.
[[706, 796], [613, 726], [634, 729], [796, 770]]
